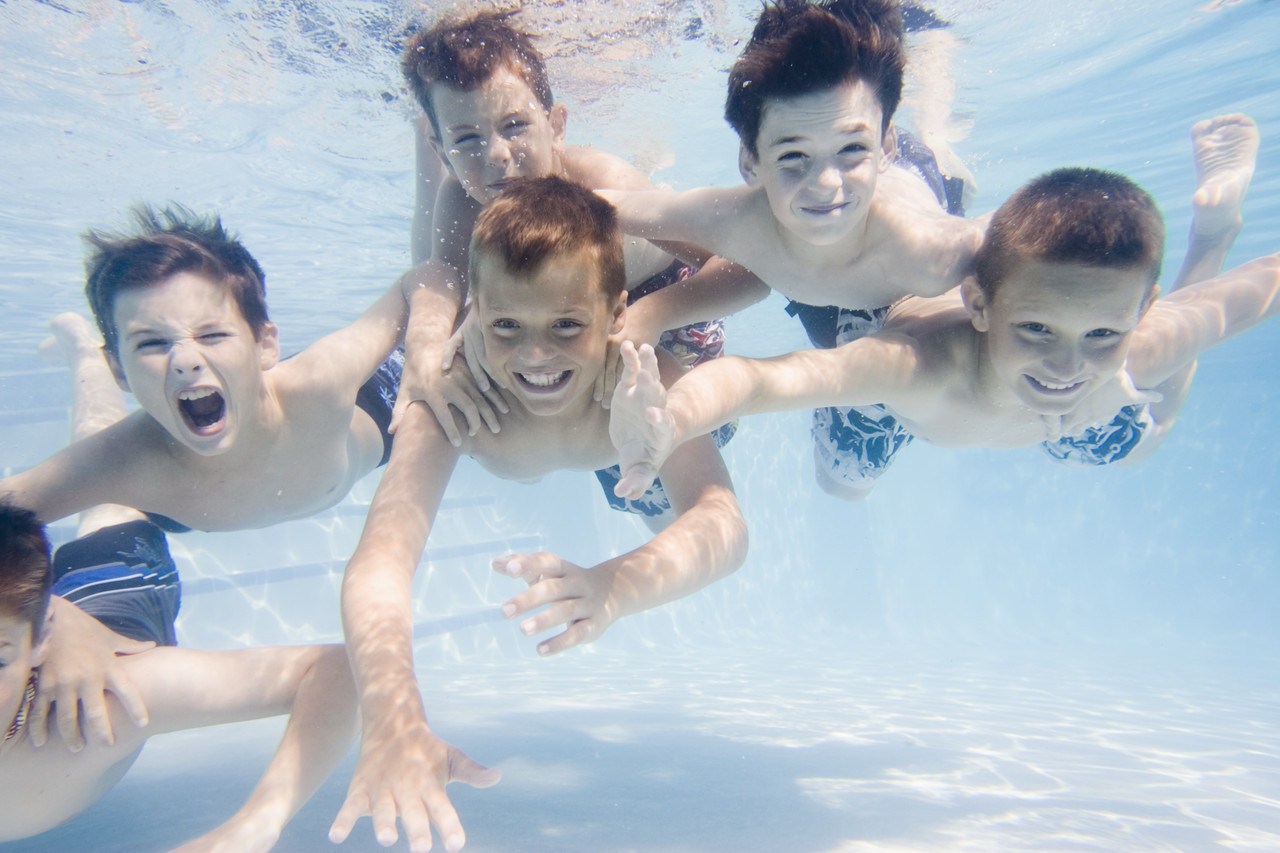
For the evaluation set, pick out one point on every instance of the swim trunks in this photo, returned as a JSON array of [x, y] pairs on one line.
[[124, 577], [691, 345], [855, 445], [377, 397], [1106, 444]]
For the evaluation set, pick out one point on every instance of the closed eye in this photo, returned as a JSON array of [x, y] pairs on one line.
[[150, 344]]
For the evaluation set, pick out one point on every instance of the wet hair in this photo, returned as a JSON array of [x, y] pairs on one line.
[[536, 219], [25, 574], [801, 47], [1073, 216], [465, 53], [166, 243]]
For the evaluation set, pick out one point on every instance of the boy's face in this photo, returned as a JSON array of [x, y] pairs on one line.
[[190, 358], [496, 133], [17, 659], [818, 159], [1055, 332], [547, 334]]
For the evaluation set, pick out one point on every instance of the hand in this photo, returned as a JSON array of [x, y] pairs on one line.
[[80, 669], [402, 772], [578, 598], [640, 427], [432, 378], [241, 833], [1101, 407]]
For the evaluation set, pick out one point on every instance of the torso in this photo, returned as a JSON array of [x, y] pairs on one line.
[[530, 447]]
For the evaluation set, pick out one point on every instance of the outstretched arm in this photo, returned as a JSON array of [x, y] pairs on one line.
[[705, 542], [314, 682], [1191, 320], [647, 426], [403, 767]]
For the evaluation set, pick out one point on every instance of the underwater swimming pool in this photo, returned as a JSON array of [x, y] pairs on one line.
[[993, 652]]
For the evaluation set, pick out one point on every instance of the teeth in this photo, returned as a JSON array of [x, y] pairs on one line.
[[1057, 386], [543, 380], [196, 393]]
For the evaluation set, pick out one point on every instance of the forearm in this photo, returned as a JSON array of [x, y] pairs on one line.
[[435, 293], [717, 290], [319, 732], [704, 544]]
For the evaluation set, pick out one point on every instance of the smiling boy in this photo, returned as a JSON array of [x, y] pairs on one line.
[[1058, 330], [547, 270], [228, 435], [484, 89]]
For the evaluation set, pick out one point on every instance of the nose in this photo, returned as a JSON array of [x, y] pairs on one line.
[[185, 358], [1066, 361], [532, 351], [829, 177], [497, 151]]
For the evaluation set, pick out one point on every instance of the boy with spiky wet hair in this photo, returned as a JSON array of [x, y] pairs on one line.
[[1059, 330], [228, 435], [182, 688], [484, 89], [548, 277]]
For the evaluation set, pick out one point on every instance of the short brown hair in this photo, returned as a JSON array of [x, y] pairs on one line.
[[1073, 216], [168, 242], [465, 53], [25, 573], [799, 47], [539, 218]]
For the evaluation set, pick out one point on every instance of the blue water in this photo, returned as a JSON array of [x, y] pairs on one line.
[[993, 652]]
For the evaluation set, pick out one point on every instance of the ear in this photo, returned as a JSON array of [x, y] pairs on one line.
[[117, 371], [976, 303], [268, 346], [619, 314], [559, 116], [748, 166], [889, 147]]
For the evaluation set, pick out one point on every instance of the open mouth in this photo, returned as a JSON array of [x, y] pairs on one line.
[[1053, 389], [203, 409], [544, 383]]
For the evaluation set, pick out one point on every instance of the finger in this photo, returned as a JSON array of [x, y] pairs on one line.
[[635, 482], [529, 567], [541, 591], [444, 415], [353, 807], [487, 415], [68, 720], [495, 398], [384, 821], [475, 363], [630, 364], [397, 412], [558, 613], [130, 699], [38, 717], [580, 632], [462, 768], [95, 720], [417, 824], [446, 820]]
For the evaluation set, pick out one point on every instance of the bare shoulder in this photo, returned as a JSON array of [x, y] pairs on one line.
[[600, 170]]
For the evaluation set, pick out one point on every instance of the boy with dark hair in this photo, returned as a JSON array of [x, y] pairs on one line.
[[548, 276], [182, 688], [484, 89], [1059, 330], [228, 435]]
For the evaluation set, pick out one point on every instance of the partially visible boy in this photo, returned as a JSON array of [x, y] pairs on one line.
[[228, 436], [546, 267], [182, 688], [1058, 330], [484, 88]]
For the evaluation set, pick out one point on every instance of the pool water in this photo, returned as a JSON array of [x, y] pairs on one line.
[[992, 652]]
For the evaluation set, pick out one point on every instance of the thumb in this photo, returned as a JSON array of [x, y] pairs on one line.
[[463, 769]]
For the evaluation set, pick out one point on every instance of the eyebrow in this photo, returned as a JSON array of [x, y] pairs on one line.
[[850, 130]]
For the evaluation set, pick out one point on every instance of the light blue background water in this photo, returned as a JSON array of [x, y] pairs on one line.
[[993, 652]]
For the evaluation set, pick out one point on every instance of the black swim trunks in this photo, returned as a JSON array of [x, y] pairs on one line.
[[124, 577]]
